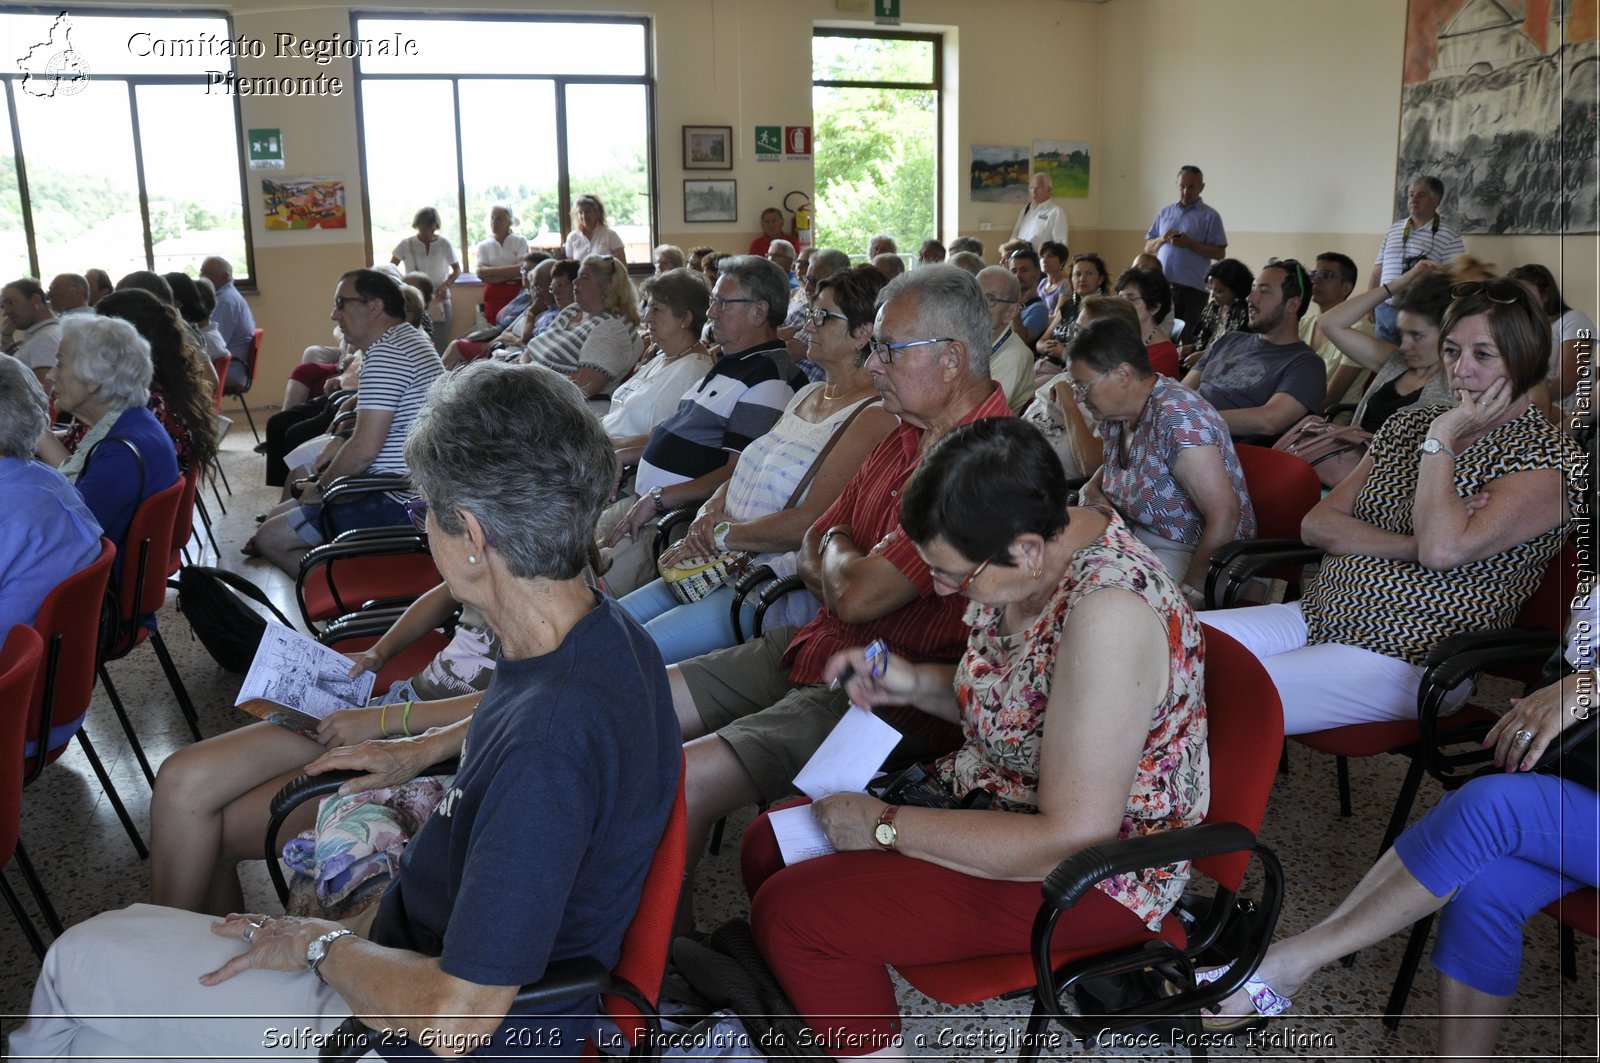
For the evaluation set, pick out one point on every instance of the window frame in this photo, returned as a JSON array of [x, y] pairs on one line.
[[245, 281], [559, 83], [936, 86]]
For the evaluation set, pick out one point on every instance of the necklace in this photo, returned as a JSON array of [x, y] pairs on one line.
[[674, 356], [834, 396], [1151, 337]]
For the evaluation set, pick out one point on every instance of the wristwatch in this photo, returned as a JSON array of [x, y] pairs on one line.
[[838, 529], [1433, 446], [719, 534], [885, 833], [655, 496], [317, 951]]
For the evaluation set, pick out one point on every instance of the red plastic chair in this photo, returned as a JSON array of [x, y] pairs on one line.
[[361, 569], [21, 664], [138, 595], [1245, 721], [239, 391], [1283, 489], [65, 689], [183, 521]]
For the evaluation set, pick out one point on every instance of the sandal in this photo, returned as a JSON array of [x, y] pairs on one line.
[[1265, 1001], [250, 549]]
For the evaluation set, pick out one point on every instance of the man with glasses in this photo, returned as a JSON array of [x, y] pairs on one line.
[[693, 451], [757, 712], [28, 313], [1332, 282], [1417, 236], [1010, 360], [397, 368], [1264, 380]]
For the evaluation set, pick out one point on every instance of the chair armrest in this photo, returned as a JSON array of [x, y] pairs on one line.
[[1229, 552], [342, 424], [1078, 873], [748, 581], [360, 624], [669, 521], [1270, 553], [769, 594], [1453, 662], [366, 483]]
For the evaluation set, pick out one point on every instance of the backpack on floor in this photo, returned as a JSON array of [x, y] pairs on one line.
[[213, 601]]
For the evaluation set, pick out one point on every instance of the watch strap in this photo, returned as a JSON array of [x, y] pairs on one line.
[[886, 819], [317, 951]]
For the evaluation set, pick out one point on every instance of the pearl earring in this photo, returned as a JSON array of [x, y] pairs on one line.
[[472, 559]]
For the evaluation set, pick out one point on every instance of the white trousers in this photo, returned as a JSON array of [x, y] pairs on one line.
[[1328, 685], [125, 985]]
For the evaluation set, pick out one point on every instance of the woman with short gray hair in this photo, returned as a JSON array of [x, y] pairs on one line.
[[102, 377], [46, 532]]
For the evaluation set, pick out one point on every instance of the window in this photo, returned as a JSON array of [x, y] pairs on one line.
[[125, 161], [550, 110], [876, 104]]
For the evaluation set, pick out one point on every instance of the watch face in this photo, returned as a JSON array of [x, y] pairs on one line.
[[884, 834]]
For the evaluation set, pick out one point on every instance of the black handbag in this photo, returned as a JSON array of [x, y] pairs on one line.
[[914, 786], [229, 629]]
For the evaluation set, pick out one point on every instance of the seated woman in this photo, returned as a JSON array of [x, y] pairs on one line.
[[757, 509], [212, 799], [193, 312], [1571, 375], [1089, 277], [450, 943], [1488, 857], [102, 377], [1229, 282], [676, 304], [1170, 468], [1053, 260], [1081, 695], [1151, 297], [1408, 375], [1058, 411], [595, 342], [1445, 526], [182, 391], [46, 531]]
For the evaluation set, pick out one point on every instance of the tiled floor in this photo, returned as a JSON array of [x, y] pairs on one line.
[[89, 866]]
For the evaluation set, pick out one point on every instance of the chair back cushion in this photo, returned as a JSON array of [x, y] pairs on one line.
[[1244, 720], [1283, 488], [145, 553], [21, 659], [68, 622]]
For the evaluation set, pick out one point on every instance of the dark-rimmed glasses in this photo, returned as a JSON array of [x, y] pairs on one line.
[[885, 351], [340, 301], [816, 317]]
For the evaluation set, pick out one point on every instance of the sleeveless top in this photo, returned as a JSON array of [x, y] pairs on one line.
[[1003, 689], [1420, 606]]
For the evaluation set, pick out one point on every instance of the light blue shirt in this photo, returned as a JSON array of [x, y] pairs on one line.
[[1198, 222], [46, 534], [235, 321]]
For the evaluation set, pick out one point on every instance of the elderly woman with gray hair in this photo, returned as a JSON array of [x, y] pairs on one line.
[[46, 531], [595, 341], [449, 944], [102, 377]]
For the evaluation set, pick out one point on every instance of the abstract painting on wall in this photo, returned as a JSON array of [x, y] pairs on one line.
[[999, 174], [1498, 100]]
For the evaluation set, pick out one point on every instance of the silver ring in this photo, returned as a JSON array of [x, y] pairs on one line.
[[250, 931], [1522, 738]]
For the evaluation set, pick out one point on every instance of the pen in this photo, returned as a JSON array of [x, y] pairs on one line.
[[877, 659]]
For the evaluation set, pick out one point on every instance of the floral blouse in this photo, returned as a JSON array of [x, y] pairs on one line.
[[1003, 689]]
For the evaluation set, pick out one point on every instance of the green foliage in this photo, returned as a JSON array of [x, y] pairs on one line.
[[874, 166]]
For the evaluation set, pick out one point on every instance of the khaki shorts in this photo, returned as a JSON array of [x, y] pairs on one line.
[[773, 724]]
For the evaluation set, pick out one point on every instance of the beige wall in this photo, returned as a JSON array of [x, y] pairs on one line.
[[1291, 109]]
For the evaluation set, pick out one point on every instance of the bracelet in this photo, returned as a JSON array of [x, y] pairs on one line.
[[383, 731], [1387, 291], [719, 534], [405, 721]]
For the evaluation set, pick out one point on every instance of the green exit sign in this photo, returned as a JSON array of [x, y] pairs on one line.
[[886, 12]]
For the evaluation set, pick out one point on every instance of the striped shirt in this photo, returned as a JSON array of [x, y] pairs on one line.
[[741, 398], [1401, 609], [928, 629], [1407, 242], [603, 342], [396, 373]]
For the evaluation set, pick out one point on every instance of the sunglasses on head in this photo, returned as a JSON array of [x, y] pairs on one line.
[[1506, 293]]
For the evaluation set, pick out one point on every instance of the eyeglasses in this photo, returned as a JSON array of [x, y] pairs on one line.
[[417, 509], [1325, 275], [1080, 388], [1132, 297], [991, 299], [340, 301], [884, 352], [816, 317], [964, 582], [1506, 293], [717, 302]]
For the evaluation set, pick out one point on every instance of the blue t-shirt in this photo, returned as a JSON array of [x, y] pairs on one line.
[[539, 851], [113, 482], [46, 534]]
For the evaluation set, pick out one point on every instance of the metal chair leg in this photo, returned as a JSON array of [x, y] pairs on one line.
[[1407, 972], [28, 931], [251, 421], [112, 795], [52, 920], [127, 724], [175, 681], [205, 522]]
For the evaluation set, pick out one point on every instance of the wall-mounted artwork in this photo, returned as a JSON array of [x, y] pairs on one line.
[[303, 202], [1499, 100], [1067, 163], [707, 147], [710, 200], [999, 174]]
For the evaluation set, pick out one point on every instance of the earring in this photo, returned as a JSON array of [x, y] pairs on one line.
[[1037, 573], [472, 559]]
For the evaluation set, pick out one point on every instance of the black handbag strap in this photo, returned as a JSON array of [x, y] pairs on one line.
[[138, 456], [249, 590]]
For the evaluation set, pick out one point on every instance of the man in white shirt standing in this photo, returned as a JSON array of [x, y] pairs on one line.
[[1041, 218]]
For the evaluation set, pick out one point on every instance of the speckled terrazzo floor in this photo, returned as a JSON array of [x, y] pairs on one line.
[[89, 866]]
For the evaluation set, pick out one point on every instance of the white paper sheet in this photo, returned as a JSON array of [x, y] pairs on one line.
[[799, 834], [849, 756]]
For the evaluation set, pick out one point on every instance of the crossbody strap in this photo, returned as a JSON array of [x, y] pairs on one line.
[[822, 455]]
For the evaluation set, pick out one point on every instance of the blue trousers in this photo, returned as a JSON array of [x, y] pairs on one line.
[[1508, 845], [683, 631]]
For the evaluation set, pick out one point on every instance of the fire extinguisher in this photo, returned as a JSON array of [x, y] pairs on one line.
[[801, 228]]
